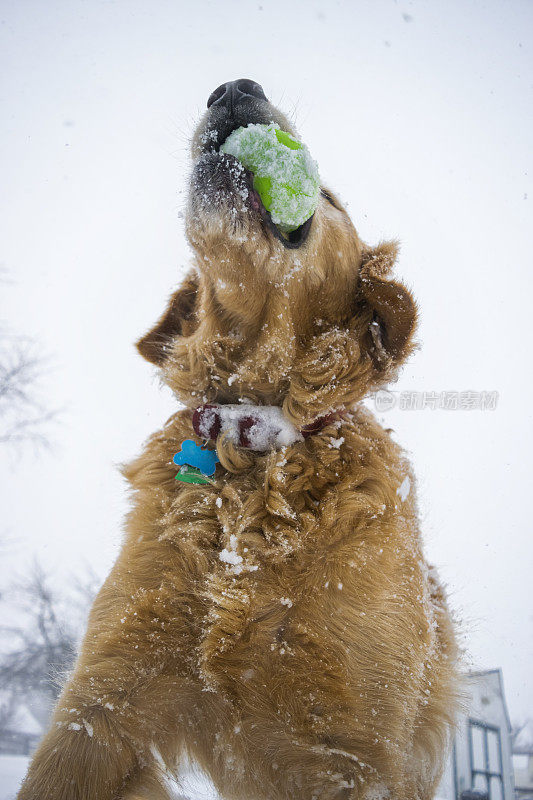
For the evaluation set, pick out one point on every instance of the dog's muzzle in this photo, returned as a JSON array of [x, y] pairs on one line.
[[233, 105], [218, 179]]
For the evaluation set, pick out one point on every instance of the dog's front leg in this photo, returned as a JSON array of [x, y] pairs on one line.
[[76, 761], [101, 744], [126, 699]]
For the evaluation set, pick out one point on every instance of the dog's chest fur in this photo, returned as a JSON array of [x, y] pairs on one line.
[[285, 564]]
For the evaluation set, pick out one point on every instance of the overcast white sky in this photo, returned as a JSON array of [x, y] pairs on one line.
[[420, 116]]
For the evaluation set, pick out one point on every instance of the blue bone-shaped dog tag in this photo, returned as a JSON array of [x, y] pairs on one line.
[[193, 455]]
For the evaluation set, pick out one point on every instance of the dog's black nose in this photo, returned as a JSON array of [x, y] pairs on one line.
[[228, 94]]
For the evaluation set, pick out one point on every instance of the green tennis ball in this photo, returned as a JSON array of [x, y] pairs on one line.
[[285, 176]]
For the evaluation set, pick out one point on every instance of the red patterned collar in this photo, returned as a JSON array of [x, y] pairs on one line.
[[258, 428]]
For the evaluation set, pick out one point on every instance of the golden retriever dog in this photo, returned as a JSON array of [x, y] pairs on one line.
[[278, 623]]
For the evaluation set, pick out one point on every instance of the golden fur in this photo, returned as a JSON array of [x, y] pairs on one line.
[[326, 666]]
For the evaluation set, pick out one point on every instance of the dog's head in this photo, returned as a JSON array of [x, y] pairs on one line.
[[308, 321]]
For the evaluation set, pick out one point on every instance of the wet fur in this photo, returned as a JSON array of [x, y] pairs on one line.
[[326, 666]]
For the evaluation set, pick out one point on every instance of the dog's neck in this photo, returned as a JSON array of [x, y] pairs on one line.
[[271, 317], [270, 342], [267, 318]]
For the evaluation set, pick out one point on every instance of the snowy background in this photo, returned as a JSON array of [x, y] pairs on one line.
[[420, 116]]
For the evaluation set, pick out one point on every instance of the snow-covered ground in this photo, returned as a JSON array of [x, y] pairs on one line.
[[12, 771]]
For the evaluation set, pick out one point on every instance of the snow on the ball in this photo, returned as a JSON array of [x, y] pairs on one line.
[[291, 172]]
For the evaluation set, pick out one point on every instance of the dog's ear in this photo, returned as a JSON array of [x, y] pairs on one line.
[[178, 320], [390, 312]]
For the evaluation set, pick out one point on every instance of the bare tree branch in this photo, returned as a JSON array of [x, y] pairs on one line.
[[7, 712], [24, 418], [42, 645]]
